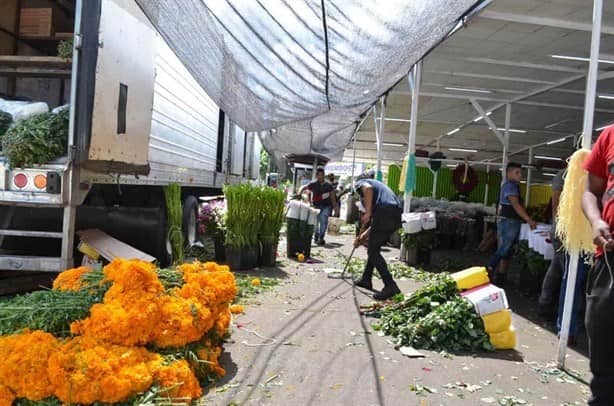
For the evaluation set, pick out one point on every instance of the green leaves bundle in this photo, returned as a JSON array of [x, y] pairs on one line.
[[243, 215], [48, 310], [5, 122], [37, 140], [172, 195], [435, 317], [273, 206], [453, 326]]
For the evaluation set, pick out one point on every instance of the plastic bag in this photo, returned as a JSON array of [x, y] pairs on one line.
[[21, 110]]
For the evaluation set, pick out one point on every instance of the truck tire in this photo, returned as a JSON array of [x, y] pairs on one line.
[[190, 216]]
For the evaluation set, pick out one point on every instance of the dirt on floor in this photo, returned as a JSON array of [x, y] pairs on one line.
[[305, 343]]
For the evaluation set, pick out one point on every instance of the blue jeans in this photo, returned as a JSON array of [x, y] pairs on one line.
[[323, 222], [507, 234], [577, 299]]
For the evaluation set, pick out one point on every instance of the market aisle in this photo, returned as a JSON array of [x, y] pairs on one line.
[[325, 353]]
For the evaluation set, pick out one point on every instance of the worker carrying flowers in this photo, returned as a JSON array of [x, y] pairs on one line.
[[322, 198], [382, 217]]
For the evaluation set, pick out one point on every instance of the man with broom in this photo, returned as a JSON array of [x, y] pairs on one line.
[[381, 218]]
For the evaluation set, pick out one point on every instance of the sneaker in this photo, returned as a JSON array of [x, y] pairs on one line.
[[388, 292], [316, 239], [321, 242], [364, 283]]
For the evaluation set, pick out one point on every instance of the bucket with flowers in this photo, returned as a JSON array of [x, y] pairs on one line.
[[212, 224]]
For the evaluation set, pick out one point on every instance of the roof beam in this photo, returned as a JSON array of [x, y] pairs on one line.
[[544, 21], [492, 77], [487, 118], [540, 90], [504, 101], [516, 64]]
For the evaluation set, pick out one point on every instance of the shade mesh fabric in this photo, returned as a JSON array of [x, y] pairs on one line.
[[271, 64]]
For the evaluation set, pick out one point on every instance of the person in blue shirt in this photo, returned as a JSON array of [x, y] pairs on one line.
[[511, 214], [381, 218]]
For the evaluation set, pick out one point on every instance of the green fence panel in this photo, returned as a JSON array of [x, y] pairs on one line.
[[394, 177], [446, 189]]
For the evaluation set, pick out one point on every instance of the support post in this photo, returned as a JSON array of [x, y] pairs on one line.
[[434, 195], [414, 77], [527, 197], [587, 132], [379, 137], [487, 183], [506, 141], [315, 168]]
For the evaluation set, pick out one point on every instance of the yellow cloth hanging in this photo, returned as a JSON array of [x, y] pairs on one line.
[[572, 227], [403, 174]]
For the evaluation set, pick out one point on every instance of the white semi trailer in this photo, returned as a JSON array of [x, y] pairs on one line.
[[138, 121]]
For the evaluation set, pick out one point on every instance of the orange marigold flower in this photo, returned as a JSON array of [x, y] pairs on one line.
[[129, 312], [210, 355], [255, 282], [132, 277], [237, 308], [70, 279], [23, 369], [223, 322], [179, 382], [122, 322], [6, 396], [85, 370], [182, 321]]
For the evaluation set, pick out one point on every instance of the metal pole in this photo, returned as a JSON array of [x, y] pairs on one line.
[[527, 197], [506, 141], [315, 167], [414, 77], [70, 188], [486, 187], [379, 138], [434, 183], [587, 132]]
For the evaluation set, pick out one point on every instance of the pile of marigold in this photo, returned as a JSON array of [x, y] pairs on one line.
[[147, 332]]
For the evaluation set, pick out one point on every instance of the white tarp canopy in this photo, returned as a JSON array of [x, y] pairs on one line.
[[306, 69]]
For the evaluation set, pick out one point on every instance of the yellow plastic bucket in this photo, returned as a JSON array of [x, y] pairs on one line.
[[471, 277], [497, 322], [505, 340]]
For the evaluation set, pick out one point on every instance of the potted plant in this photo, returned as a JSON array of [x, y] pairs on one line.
[[418, 247], [212, 223], [242, 225], [532, 276], [272, 217]]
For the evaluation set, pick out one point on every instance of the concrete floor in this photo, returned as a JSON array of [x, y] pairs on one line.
[[305, 343]]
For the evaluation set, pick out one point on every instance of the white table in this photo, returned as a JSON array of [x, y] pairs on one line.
[[538, 239]]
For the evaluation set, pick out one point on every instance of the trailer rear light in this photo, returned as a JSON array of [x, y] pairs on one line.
[[40, 181], [20, 180]]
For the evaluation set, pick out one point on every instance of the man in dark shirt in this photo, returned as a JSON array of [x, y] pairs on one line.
[[381, 218], [322, 198], [554, 274], [510, 219]]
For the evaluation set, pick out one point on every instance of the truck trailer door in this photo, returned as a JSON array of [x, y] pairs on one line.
[[124, 90]]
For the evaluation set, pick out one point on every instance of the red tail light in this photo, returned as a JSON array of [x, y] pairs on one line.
[[20, 180]]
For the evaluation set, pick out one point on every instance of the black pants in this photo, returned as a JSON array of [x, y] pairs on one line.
[[600, 329], [385, 221]]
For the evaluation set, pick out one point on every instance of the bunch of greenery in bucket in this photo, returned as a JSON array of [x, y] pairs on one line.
[[243, 222], [212, 224], [273, 205], [418, 246]]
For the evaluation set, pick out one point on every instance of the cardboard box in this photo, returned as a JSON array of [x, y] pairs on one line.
[[486, 299], [36, 22]]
